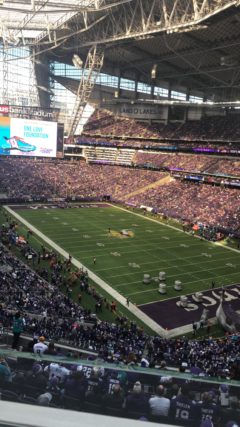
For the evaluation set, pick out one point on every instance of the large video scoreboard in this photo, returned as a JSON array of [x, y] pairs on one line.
[[23, 137]]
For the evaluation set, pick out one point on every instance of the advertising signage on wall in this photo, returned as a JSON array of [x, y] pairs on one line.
[[21, 137], [49, 114], [141, 111]]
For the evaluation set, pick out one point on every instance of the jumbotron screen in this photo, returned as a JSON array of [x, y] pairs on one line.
[[22, 137]]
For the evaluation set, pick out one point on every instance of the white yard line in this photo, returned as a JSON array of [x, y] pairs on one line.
[[162, 268], [179, 274], [118, 297]]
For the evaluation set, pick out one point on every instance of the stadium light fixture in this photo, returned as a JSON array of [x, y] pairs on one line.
[[154, 72], [77, 62]]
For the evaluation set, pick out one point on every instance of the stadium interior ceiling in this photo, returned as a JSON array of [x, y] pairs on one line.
[[187, 47], [203, 58]]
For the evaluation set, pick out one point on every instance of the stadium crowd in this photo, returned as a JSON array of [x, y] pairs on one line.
[[23, 178], [215, 206], [153, 144], [50, 313], [225, 167], [33, 304], [131, 394], [28, 179], [196, 163], [219, 128], [191, 163], [105, 123]]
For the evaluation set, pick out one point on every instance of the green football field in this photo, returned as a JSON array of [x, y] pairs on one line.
[[151, 247]]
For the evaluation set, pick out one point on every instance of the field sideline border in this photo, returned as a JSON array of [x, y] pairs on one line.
[[118, 297]]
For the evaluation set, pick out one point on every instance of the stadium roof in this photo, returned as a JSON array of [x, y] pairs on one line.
[[34, 19], [193, 43]]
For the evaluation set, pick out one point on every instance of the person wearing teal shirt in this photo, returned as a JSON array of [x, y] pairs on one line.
[[17, 329], [5, 372]]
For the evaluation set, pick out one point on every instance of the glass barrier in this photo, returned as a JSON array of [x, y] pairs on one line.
[[160, 395]]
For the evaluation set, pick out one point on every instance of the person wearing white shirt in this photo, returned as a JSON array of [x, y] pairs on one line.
[[40, 347], [159, 405], [56, 370]]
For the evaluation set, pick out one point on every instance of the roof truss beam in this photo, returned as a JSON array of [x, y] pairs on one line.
[[141, 19]]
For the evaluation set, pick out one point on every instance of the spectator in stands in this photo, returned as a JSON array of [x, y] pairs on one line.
[[40, 348], [136, 401], [208, 409], [95, 386], [51, 349], [76, 385], [5, 371], [36, 377], [224, 395], [159, 404], [44, 399], [114, 399], [183, 408], [17, 328], [57, 370]]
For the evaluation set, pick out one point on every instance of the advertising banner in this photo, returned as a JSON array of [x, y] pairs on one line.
[[27, 112], [21, 137]]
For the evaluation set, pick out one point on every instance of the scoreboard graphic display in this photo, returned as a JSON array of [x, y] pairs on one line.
[[23, 137]]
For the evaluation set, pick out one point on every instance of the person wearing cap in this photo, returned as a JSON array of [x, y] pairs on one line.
[[144, 363], [159, 405], [36, 377], [40, 347], [224, 395], [136, 401], [44, 399]]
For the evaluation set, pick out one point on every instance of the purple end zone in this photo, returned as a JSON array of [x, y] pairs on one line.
[[168, 315]]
